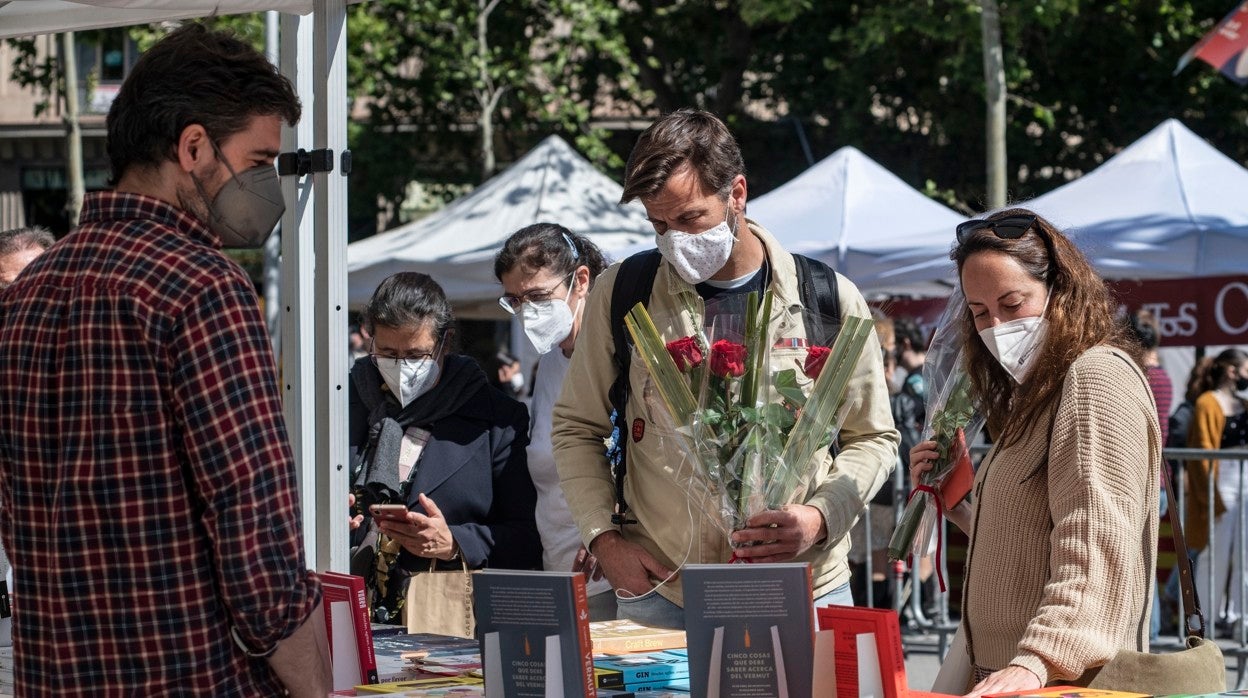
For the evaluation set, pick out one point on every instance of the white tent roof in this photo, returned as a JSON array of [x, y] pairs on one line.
[[848, 210], [457, 244], [26, 17], [1167, 206]]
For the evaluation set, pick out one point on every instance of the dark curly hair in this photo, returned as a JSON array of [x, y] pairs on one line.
[[192, 76]]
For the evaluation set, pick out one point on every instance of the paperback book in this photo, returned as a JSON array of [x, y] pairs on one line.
[[750, 629], [349, 629], [534, 633]]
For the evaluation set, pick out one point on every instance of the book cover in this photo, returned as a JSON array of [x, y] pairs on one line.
[[625, 636], [350, 631], [848, 623], [629, 671], [750, 630], [534, 630]]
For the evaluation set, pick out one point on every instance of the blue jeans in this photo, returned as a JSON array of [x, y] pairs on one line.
[[654, 610]]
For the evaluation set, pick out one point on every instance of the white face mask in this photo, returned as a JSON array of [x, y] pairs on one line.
[[1016, 343], [697, 256], [546, 323], [409, 380]]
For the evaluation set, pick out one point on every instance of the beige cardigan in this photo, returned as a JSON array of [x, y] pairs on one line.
[[1064, 538]]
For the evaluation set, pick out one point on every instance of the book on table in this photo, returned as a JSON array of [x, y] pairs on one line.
[[534, 634], [750, 630], [349, 629], [869, 658], [623, 636]]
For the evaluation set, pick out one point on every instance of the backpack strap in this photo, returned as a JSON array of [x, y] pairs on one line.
[[817, 285], [633, 282]]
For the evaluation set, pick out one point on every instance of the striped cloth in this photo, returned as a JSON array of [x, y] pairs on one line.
[[150, 506]]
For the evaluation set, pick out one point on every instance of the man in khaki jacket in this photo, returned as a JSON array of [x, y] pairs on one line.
[[688, 172]]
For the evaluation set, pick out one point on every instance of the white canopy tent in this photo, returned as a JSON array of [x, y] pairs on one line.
[[313, 294], [850, 212], [1168, 206], [456, 245]]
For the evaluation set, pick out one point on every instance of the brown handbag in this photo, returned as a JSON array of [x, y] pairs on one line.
[[1199, 668]]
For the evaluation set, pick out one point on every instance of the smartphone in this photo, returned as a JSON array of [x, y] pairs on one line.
[[389, 512]]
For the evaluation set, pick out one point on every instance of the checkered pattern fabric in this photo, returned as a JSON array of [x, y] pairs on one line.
[[150, 505]]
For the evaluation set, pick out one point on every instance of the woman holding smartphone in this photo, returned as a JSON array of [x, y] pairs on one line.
[[441, 453]]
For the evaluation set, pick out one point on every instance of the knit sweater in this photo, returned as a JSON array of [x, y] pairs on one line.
[[1064, 536]]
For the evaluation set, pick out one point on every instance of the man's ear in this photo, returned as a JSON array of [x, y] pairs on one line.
[[738, 194], [194, 147]]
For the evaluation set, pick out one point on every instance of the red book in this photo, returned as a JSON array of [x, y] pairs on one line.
[[349, 589], [848, 622], [961, 478]]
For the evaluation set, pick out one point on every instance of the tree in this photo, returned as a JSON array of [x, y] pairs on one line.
[[448, 83]]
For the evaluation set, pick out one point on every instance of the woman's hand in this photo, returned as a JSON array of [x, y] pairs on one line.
[[423, 535], [1011, 678], [922, 457], [355, 521]]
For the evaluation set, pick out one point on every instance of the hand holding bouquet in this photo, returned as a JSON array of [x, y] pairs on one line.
[[748, 423], [952, 423]]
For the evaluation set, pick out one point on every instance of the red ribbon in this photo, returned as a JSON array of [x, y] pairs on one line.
[[940, 512]]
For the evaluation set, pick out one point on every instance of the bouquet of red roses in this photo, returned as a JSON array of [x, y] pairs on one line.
[[749, 410]]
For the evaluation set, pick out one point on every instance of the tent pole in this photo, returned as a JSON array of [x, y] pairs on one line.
[[329, 126], [298, 357]]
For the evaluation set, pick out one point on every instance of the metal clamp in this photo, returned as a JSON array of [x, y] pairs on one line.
[[303, 162]]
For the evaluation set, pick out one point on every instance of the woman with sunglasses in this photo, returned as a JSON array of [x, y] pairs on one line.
[[433, 436], [1063, 515], [546, 271]]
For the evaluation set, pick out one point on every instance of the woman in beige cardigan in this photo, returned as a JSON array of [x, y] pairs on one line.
[[1219, 420], [1063, 515]]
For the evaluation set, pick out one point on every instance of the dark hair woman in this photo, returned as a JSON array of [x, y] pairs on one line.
[[431, 434], [1063, 522], [1219, 420], [547, 271]]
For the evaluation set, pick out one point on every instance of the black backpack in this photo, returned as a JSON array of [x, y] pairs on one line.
[[633, 282]]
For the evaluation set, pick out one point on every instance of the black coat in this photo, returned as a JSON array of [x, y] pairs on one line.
[[475, 470]]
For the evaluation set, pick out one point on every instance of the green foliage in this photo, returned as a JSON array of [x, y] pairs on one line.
[[44, 74]]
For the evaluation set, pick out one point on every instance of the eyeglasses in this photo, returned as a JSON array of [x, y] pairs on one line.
[[409, 360], [512, 303]]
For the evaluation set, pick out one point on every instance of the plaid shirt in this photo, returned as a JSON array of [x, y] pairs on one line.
[[150, 506]]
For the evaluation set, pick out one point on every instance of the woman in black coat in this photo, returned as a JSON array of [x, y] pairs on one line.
[[430, 433]]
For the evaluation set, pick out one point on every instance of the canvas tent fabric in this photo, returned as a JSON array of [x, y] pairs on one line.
[[852, 213], [28, 17], [456, 245], [1167, 206]]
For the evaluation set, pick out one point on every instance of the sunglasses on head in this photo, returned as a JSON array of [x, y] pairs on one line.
[[1008, 228]]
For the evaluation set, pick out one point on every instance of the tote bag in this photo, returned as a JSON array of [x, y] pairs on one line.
[[1200, 668], [440, 602]]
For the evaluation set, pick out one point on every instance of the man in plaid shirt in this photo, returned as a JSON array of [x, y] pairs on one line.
[[148, 491]]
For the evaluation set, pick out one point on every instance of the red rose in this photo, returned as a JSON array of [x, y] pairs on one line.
[[727, 359], [816, 357], [686, 353]]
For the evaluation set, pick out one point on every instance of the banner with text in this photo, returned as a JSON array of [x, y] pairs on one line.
[[1191, 312]]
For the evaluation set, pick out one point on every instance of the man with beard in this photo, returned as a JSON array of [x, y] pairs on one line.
[[148, 496]]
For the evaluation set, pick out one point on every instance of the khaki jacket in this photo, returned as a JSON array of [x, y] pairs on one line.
[[671, 526]]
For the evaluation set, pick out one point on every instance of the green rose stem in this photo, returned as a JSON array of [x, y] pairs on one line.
[[956, 414], [818, 418]]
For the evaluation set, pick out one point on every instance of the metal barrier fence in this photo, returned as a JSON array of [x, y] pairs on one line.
[[907, 587]]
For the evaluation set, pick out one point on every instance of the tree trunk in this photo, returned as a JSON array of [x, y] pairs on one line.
[[488, 91], [73, 132], [994, 96]]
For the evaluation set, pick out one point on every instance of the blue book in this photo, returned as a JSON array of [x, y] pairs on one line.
[[644, 667]]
